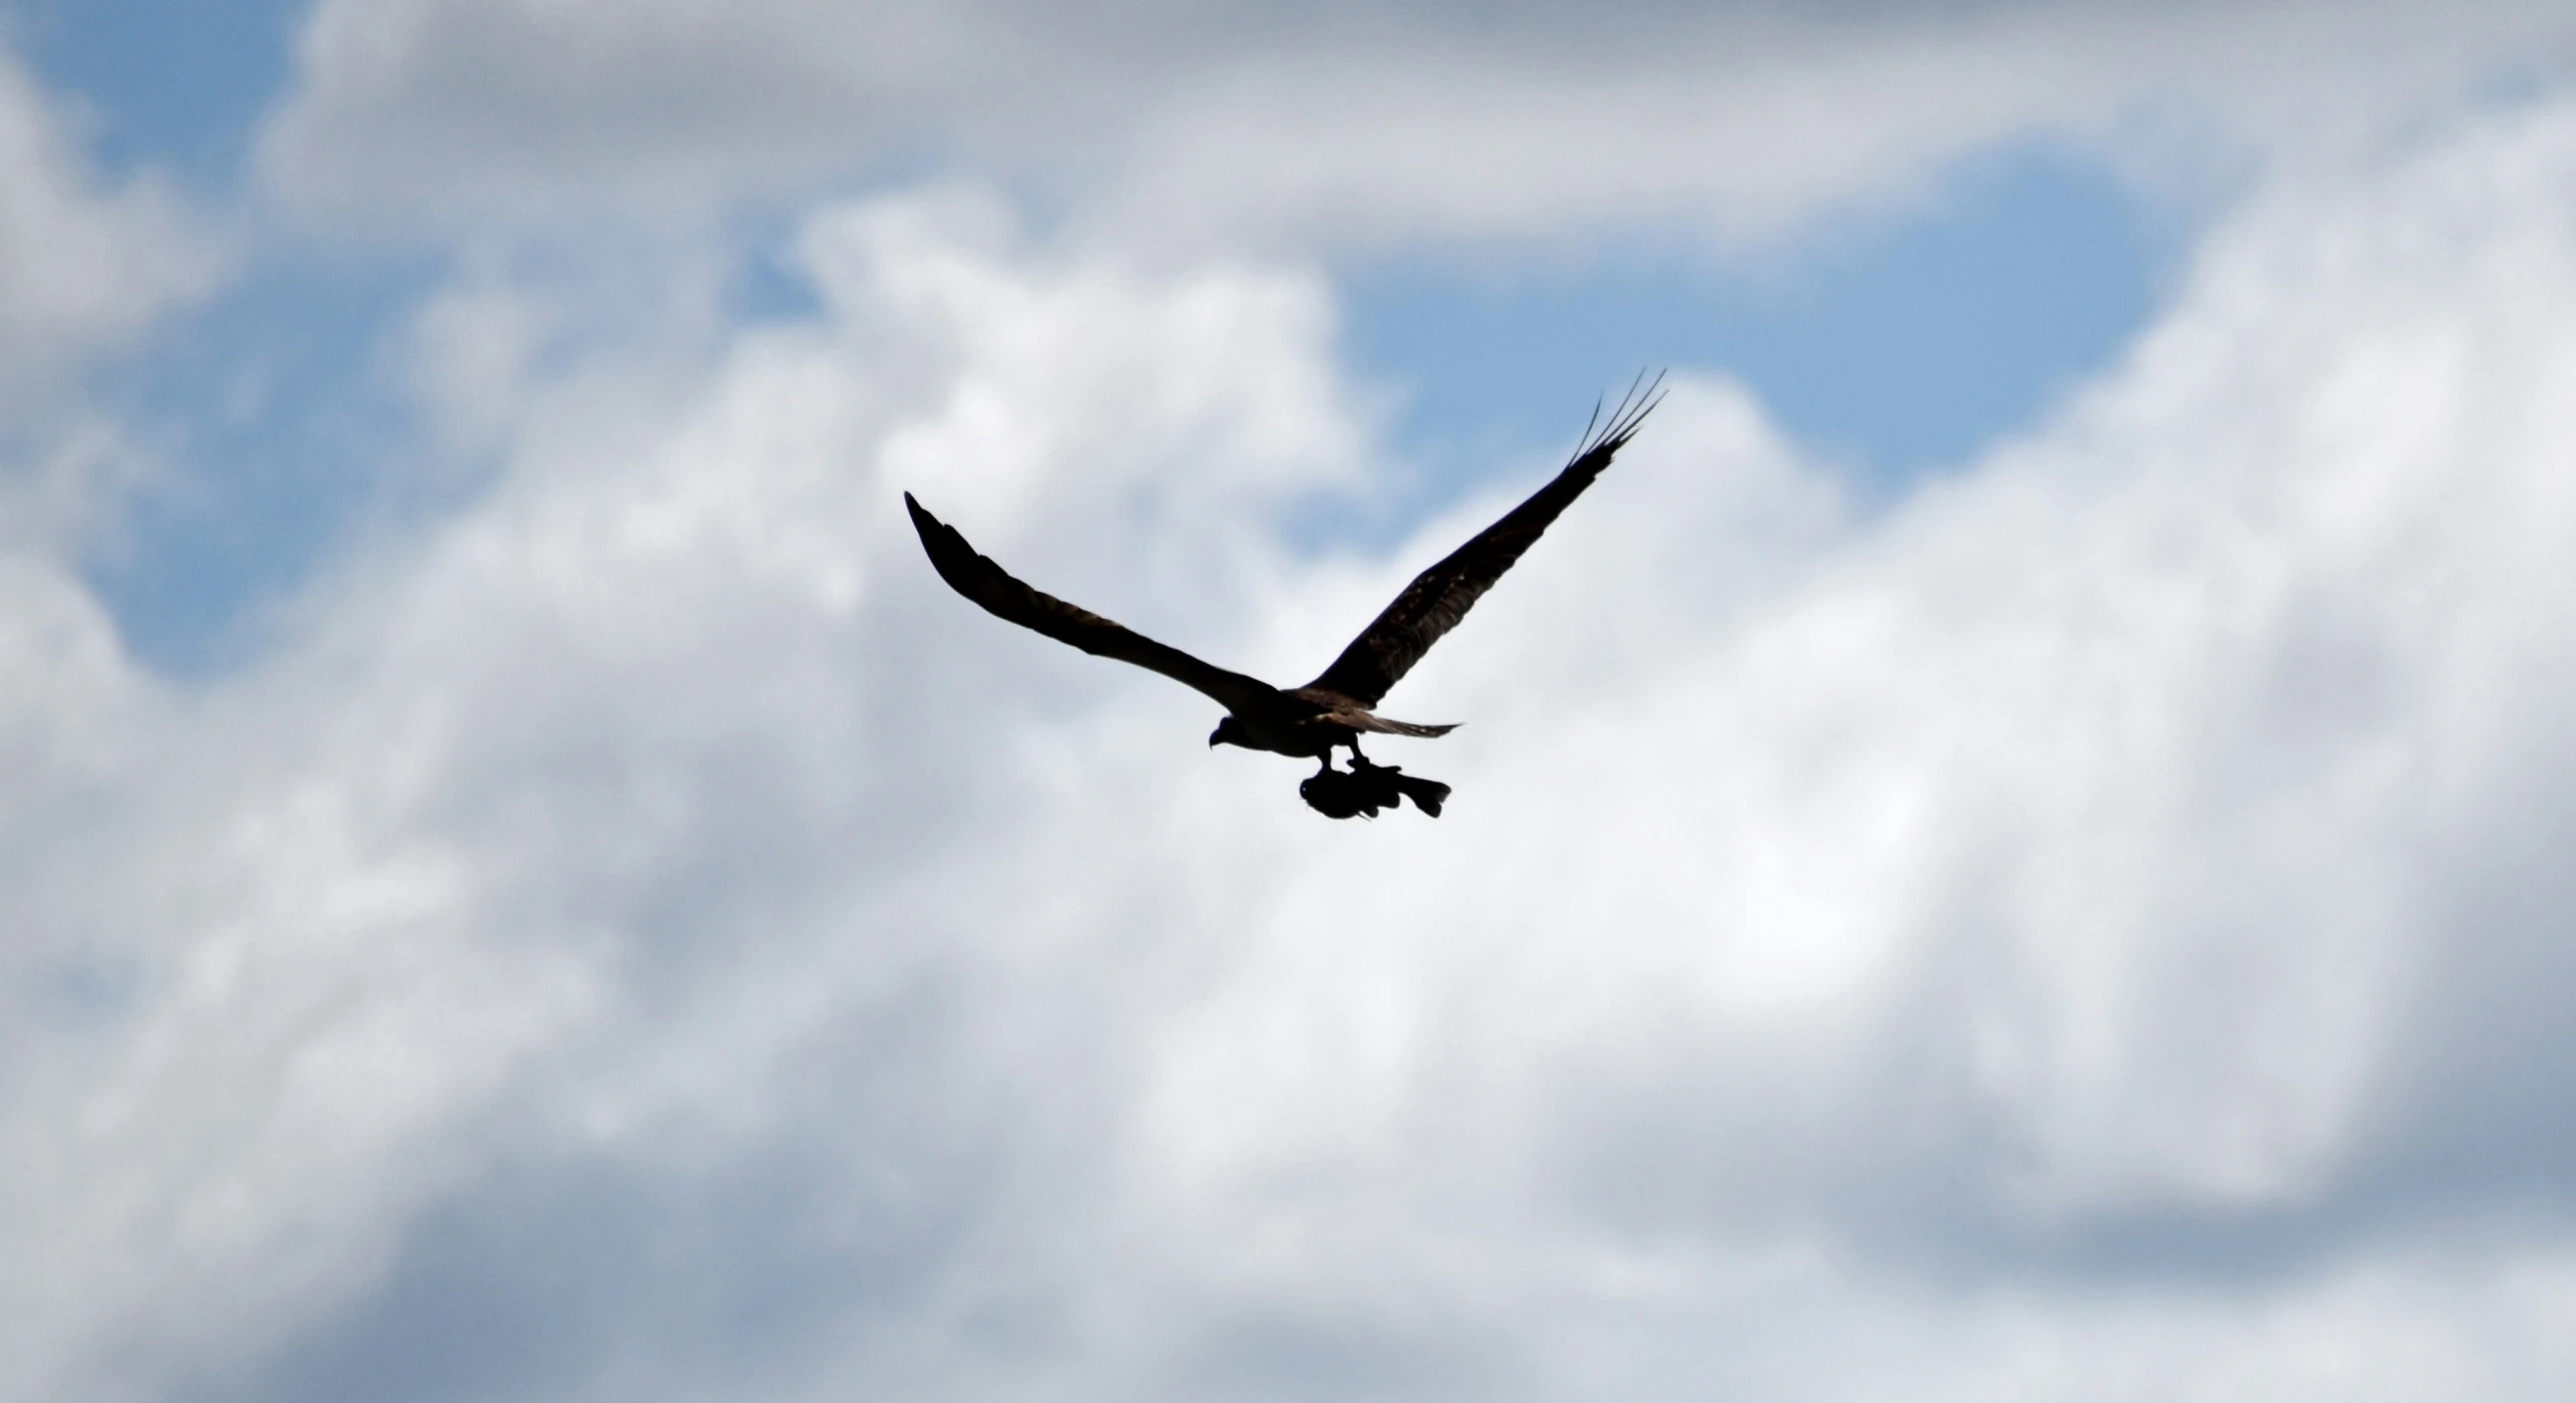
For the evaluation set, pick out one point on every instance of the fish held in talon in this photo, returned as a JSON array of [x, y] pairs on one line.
[[1365, 788], [1338, 707], [1368, 788], [1334, 794]]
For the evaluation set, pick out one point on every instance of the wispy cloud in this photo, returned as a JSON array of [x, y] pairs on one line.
[[1205, 127]]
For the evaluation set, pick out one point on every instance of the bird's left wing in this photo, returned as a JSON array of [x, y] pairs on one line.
[[979, 579], [1440, 596]]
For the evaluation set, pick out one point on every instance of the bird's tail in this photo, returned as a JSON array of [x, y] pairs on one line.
[[1408, 728]]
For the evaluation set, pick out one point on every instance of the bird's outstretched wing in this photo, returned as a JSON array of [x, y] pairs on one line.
[[979, 579], [1440, 596]]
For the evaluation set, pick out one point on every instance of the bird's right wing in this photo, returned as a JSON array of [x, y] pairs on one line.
[[1440, 596], [987, 584]]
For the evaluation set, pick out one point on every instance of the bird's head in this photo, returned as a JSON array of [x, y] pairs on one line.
[[1228, 731]]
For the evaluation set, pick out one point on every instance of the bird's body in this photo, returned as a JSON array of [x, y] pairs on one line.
[[1309, 722], [1337, 708]]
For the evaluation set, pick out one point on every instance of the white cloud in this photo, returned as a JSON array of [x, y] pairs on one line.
[[86, 264], [525, 774], [2085, 929], [81, 263]]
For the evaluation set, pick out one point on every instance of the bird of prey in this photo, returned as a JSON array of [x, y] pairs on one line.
[[1336, 708]]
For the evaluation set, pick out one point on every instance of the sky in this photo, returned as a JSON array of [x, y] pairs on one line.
[[2008, 850]]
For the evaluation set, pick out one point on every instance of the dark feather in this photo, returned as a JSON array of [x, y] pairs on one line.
[[1440, 596], [979, 579]]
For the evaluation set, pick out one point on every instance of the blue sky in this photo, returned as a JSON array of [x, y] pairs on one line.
[[169, 85], [2015, 828], [1895, 341]]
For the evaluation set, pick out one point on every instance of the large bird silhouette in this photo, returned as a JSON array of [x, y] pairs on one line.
[[1336, 708]]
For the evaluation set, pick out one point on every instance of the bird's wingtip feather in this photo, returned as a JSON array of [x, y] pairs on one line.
[[923, 523], [1612, 433]]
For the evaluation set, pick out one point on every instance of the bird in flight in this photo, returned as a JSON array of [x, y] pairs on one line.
[[1335, 709]]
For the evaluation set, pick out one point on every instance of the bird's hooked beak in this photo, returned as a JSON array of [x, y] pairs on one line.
[[1226, 733]]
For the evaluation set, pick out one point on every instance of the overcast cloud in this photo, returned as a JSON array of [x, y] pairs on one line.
[[1220, 126], [2091, 926]]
